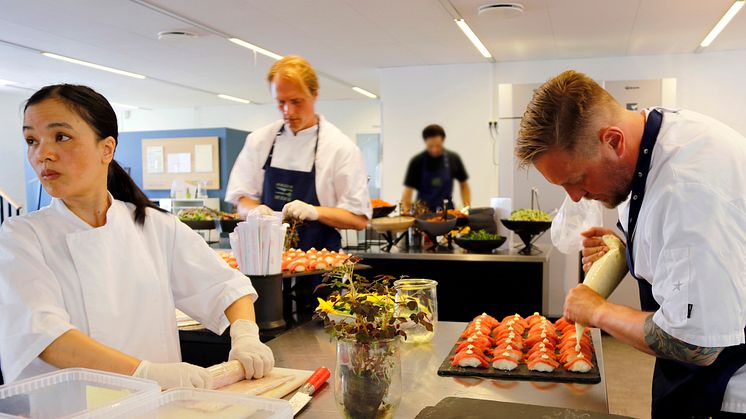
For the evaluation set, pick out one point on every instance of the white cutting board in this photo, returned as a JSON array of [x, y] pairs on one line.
[[291, 379]]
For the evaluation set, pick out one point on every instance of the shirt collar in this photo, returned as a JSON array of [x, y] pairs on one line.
[[59, 206]]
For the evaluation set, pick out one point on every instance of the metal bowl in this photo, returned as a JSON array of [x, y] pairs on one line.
[[391, 224], [480, 246], [379, 212]]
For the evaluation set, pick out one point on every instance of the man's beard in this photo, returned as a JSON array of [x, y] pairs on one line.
[[620, 188]]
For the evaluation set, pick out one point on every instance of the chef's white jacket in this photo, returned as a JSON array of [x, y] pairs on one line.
[[118, 283], [341, 179], [690, 239]]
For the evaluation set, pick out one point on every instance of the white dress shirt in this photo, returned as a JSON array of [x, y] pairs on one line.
[[341, 179], [690, 239], [118, 283]]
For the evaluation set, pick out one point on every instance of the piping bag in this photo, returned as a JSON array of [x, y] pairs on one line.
[[605, 275]]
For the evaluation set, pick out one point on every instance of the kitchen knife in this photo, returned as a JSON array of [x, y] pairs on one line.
[[304, 393]]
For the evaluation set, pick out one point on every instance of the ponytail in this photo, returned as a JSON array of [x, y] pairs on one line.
[[122, 187]]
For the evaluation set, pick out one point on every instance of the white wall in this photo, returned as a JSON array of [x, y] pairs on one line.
[[12, 145], [459, 98], [351, 116]]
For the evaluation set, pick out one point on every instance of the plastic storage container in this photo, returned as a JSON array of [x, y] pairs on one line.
[[198, 404], [73, 393]]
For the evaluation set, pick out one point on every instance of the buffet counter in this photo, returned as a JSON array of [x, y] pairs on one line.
[[310, 347], [499, 283]]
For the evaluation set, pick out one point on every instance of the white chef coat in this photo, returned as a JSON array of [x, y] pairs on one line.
[[690, 239], [341, 180], [118, 283]]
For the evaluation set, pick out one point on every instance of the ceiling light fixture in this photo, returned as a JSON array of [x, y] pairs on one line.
[[255, 48], [473, 38], [722, 23], [92, 65], [364, 92], [233, 98]]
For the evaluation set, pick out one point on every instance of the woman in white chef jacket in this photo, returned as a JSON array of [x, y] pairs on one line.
[[302, 165], [92, 280]]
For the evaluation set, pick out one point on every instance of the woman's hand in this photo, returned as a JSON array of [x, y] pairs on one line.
[[257, 358], [593, 246], [174, 374]]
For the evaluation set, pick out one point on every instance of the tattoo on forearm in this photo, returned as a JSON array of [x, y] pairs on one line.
[[667, 346]]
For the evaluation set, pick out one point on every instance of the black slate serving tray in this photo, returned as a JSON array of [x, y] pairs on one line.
[[461, 408], [559, 375]]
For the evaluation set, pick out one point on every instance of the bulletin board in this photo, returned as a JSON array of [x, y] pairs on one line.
[[189, 159]]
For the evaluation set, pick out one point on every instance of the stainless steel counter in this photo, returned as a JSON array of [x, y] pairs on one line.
[[309, 347], [457, 253]]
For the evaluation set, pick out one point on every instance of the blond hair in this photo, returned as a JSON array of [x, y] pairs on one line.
[[559, 116], [296, 69]]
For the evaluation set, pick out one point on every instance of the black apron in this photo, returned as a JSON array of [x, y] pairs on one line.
[[680, 390], [436, 185], [282, 186]]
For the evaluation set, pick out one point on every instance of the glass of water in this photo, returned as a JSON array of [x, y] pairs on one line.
[[417, 298]]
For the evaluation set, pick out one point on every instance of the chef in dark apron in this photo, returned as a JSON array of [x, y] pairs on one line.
[[676, 177], [303, 166], [432, 172]]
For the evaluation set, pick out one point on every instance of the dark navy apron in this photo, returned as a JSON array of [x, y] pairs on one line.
[[436, 185], [282, 186], [680, 390]]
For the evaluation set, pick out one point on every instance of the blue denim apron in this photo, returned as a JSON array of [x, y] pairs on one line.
[[680, 390], [282, 186], [436, 185]]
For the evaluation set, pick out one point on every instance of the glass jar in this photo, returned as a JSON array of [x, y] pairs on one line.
[[413, 297], [367, 378]]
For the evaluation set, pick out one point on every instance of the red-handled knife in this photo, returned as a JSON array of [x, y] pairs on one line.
[[304, 393]]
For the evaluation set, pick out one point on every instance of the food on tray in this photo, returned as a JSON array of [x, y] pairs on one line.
[[534, 341], [229, 216], [229, 258], [436, 219], [525, 214], [295, 260], [379, 203], [480, 235], [456, 213], [196, 214]]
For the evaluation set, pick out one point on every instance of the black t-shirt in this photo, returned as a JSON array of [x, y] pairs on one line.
[[413, 178]]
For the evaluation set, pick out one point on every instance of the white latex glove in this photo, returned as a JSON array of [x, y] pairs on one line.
[[256, 357], [176, 374], [300, 211], [244, 211]]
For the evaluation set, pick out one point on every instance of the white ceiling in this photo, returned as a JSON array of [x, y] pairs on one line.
[[348, 40]]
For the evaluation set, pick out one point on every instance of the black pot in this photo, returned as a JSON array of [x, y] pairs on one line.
[[480, 246]]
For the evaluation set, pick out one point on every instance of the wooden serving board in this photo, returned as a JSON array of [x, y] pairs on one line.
[[288, 379], [522, 372]]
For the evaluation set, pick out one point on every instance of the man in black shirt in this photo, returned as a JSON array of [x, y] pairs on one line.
[[432, 172]]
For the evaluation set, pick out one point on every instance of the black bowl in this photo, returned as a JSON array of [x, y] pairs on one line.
[[200, 224], [480, 246], [379, 212], [530, 227], [227, 226], [436, 228]]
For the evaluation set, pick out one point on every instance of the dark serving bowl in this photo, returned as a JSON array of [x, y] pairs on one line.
[[227, 226], [436, 228], [480, 246], [379, 212], [527, 230], [200, 224]]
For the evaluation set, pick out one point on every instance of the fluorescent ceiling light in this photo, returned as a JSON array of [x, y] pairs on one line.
[[233, 98], [122, 105], [253, 47], [92, 65], [473, 38], [722, 23], [364, 92]]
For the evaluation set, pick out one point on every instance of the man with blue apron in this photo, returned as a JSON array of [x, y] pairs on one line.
[[282, 186], [679, 389], [432, 172], [689, 239]]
